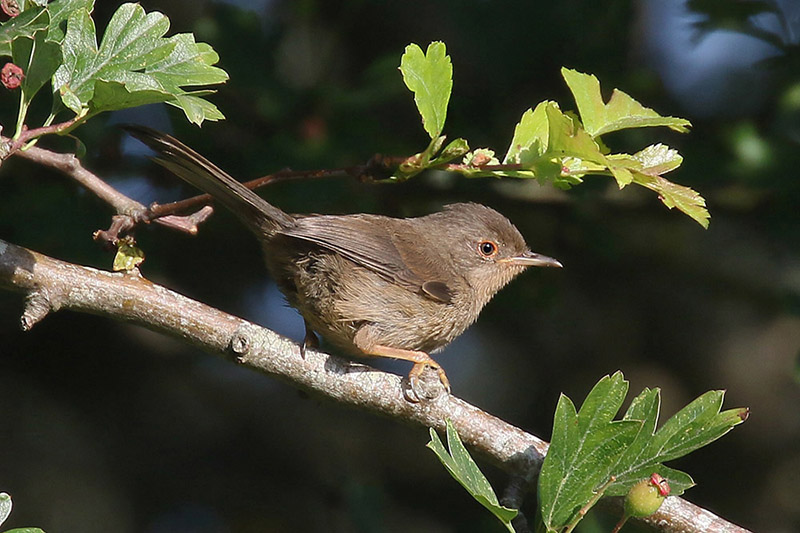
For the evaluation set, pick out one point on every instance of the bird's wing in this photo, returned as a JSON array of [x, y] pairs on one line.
[[367, 242]]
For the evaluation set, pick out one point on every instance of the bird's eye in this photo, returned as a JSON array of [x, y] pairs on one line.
[[487, 248]]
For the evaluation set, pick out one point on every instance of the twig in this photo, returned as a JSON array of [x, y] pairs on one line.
[[376, 169], [129, 297], [12, 146], [129, 211]]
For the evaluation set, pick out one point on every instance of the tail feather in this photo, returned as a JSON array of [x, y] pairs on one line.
[[254, 211]]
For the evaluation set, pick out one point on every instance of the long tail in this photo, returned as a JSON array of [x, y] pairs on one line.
[[254, 211]]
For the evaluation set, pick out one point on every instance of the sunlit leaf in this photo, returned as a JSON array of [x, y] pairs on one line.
[[134, 57], [673, 195], [530, 134], [453, 150], [658, 159], [620, 112], [128, 256], [430, 77], [59, 13], [5, 506]]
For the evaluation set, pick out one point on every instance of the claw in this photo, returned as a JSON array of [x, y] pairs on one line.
[[309, 341]]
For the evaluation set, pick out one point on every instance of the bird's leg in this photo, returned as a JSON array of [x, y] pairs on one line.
[[420, 360], [309, 341]]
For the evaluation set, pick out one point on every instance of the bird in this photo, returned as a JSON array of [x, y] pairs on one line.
[[371, 285]]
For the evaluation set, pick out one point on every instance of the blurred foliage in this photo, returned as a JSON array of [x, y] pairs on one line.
[[110, 428]]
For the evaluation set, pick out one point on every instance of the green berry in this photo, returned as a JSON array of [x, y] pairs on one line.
[[646, 496]]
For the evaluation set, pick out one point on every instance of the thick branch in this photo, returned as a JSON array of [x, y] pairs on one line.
[[52, 284]]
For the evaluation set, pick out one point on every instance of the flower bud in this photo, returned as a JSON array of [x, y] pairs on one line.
[[11, 76]]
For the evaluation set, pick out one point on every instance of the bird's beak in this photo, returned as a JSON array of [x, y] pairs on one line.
[[532, 259]]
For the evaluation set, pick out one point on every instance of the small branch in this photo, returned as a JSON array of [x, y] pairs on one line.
[[376, 169], [129, 211], [131, 298], [12, 146]]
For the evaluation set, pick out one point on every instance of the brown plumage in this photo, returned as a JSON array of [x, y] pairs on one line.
[[371, 285]]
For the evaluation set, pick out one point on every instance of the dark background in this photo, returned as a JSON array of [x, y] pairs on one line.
[[109, 427]]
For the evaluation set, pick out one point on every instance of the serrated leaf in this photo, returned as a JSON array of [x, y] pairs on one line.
[[78, 49], [453, 150], [621, 112], [694, 426], [59, 13], [673, 195], [584, 448], [568, 138], [5, 506], [658, 159], [196, 108], [134, 57], [464, 470], [430, 77], [24, 25], [530, 134]]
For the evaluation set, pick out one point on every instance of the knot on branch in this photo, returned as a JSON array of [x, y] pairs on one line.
[[240, 344], [38, 304]]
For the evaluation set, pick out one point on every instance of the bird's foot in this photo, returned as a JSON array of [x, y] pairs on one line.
[[420, 387]]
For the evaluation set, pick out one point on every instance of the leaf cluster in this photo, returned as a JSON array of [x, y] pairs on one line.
[[590, 452], [592, 455], [549, 144], [133, 64]]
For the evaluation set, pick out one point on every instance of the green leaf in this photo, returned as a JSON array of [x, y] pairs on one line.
[[417, 163], [39, 58], [693, 427], [134, 57], [430, 77], [621, 112], [128, 256], [584, 449], [674, 195], [658, 159], [60, 11], [568, 138], [453, 150], [530, 134], [24, 25], [464, 470], [5, 506], [196, 108], [25, 530]]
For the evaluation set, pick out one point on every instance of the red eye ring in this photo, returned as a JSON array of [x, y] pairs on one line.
[[487, 248]]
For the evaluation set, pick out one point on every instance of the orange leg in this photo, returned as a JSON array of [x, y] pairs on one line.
[[420, 360]]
